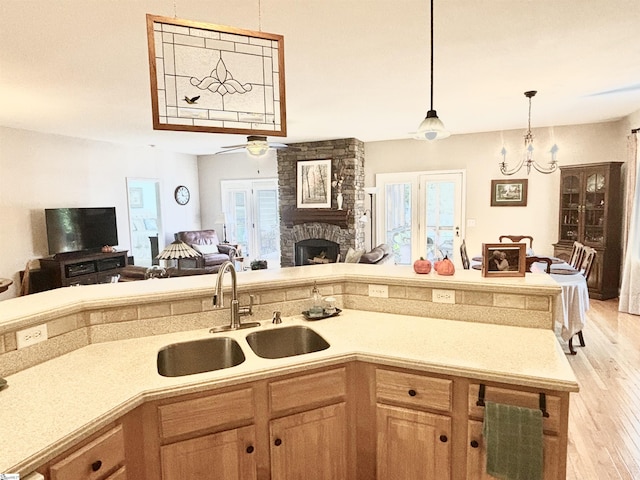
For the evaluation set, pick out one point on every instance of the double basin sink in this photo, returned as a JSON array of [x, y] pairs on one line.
[[216, 353]]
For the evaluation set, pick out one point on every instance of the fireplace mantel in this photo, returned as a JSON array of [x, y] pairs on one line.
[[291, 216]]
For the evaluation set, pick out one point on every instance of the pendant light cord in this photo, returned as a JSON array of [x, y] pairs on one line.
[[431, 54]]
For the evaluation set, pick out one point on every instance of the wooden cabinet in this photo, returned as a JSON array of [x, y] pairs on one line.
[[554, 433], [313, 443], [310, 445], [101, 459], [198, 437], [230, 455], [82, 268], [411, 443], [591, 213]]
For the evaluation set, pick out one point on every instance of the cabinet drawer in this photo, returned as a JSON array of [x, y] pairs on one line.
[[206, 412], [519, 398], [313, 389], [94, 460], [413, 390]]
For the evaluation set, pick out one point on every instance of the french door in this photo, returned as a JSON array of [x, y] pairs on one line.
[[251, 208], [422, 214]]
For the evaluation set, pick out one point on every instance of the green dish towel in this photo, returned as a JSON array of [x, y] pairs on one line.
[[513, 436]]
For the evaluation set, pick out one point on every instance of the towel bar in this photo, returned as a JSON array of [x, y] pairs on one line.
[[542, 400]]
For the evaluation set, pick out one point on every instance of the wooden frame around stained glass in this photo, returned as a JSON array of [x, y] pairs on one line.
[[215, 78]]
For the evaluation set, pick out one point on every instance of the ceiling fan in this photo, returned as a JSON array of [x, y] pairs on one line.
[[256, 146]]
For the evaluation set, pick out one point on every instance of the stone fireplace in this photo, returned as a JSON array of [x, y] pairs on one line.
[[340, 227]]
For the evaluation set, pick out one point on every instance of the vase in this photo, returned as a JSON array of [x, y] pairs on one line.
[[339, 200]]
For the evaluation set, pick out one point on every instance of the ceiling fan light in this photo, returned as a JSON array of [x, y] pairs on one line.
[[432, 128], [257, 148]]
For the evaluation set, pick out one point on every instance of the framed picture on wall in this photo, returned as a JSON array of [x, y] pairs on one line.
[[504, 259], [313, 184], [509, 193], [136, 198]]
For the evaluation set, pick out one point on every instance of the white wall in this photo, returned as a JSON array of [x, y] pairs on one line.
[[39, 171], [479, 154]]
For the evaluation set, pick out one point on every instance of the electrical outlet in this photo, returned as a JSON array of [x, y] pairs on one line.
[[381, 291], [443, 296], [31, 336]]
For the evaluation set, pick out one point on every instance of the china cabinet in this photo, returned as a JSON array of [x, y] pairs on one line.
[[591, 213]]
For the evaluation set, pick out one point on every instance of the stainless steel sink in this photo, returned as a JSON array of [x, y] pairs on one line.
[[286, 342], [199, 356]]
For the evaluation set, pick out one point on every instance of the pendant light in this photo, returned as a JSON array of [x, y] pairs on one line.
[[431, 127]]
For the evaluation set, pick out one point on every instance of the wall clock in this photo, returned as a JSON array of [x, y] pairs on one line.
[[182, 195]]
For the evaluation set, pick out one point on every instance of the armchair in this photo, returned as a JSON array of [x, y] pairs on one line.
[[206, 242]]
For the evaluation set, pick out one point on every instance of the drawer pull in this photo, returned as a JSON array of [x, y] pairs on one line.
[[250, 449], [412, 393], [95, 466], [278, 442], [474, 444], [444, 439]]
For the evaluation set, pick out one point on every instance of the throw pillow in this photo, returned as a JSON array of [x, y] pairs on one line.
[[205, 249], [373, 256], [353, 256]]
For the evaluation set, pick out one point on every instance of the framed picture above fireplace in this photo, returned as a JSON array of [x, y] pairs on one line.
[[314, 184]]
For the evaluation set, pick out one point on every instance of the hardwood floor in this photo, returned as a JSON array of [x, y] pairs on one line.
[[604, 418]]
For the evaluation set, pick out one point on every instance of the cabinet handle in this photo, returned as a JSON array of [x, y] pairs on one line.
[[95, 466], [278, 442], [474, 444], [250, 449], [412, 393], [443, 438]]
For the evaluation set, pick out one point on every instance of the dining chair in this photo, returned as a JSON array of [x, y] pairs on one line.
[[517, 239], [585, 266], [577, 253], [464, 256], [533, 259]]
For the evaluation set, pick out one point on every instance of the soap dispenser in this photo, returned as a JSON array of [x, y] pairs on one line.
[[316, 308]]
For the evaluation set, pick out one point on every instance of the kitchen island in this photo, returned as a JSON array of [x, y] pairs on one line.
[[105, 366]]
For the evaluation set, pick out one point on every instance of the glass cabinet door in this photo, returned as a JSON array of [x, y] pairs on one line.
[[595, 188], [571, 208]]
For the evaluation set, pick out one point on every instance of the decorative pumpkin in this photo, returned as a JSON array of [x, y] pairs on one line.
[[422, 266], [445, 267]]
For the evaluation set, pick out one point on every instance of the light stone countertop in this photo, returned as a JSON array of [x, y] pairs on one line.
[[49, 407]]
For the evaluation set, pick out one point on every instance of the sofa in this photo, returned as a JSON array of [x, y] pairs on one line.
[[379, 255], [213, 253]]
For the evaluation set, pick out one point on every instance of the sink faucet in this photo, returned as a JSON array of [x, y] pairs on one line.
[[236, 310]]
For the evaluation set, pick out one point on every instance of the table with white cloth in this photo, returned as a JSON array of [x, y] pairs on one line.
[[575, 302]]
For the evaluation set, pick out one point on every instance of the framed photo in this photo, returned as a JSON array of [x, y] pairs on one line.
[[215, 78], [314, 184], [509, 193], [504, 259]]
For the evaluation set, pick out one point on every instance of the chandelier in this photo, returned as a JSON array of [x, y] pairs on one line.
[[431, 127], [527, 158]]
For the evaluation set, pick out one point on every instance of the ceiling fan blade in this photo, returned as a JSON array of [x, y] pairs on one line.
[[243, 145], [278, 145], [231, 149], [628, 88]]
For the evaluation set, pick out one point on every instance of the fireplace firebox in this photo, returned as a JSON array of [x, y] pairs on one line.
[[316, 250]]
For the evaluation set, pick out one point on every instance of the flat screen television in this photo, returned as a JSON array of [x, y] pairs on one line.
[[80, 229]]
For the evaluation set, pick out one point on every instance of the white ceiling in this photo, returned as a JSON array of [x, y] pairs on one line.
[[354, 68]]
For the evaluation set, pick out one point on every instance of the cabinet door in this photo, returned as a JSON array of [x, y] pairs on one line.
[[413, 445], [570, 206], [310, 445], [229, 455], [593, 210], [477, 460]]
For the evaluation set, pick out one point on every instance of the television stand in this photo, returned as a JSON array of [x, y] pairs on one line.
[[83, 268]]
